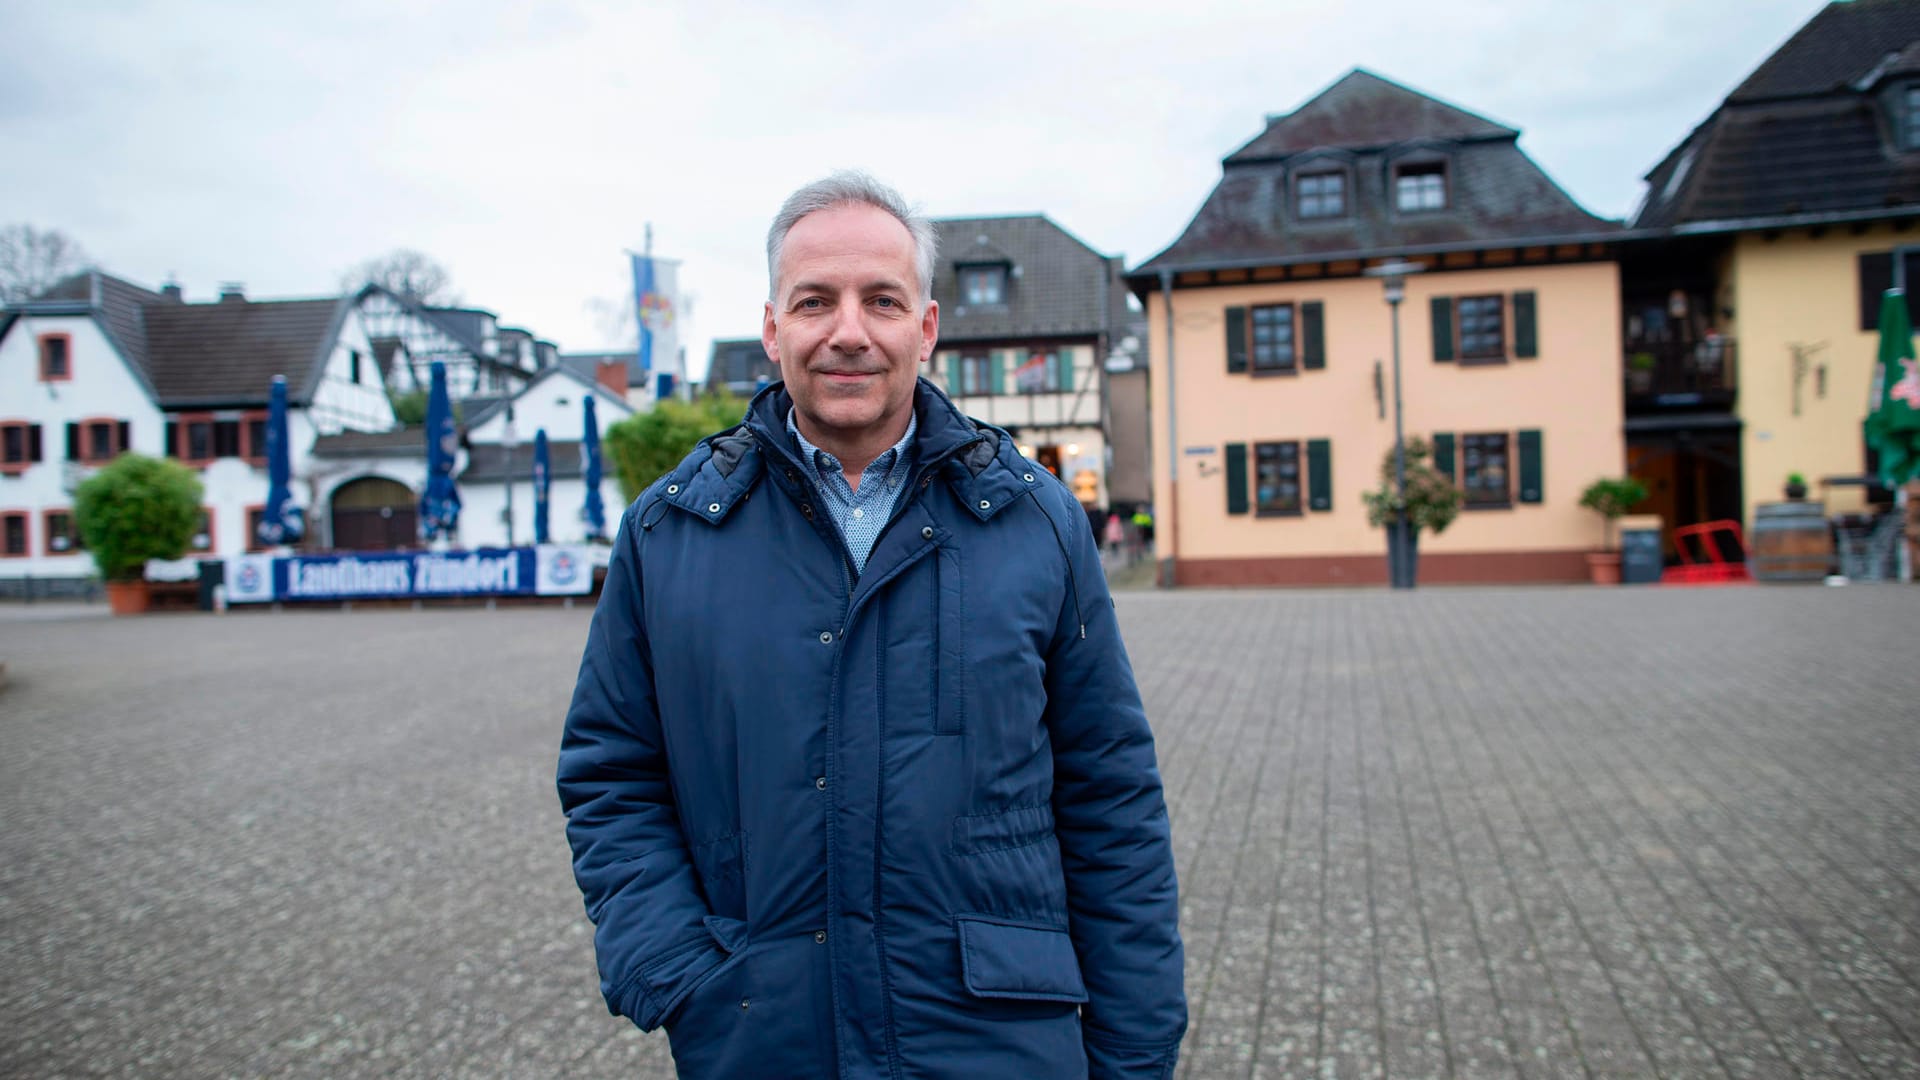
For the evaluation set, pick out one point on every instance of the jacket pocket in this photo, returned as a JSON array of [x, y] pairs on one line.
[[975, 834], [722, 864], [1025, 961], [950, 643]]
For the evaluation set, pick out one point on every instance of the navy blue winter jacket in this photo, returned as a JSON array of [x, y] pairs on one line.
[[905, 823]]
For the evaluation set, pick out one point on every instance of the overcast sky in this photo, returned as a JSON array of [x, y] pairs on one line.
[[525, 146]]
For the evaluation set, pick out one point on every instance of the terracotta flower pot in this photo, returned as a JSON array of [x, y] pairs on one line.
[[1604, 567], [128, 597]]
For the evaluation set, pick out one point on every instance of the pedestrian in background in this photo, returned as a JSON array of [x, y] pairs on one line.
[[856, 775]]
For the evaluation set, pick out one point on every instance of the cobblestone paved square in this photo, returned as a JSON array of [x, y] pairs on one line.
[[1488, 832]]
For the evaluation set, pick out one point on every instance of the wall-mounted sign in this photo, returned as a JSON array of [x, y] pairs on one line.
[[1199, 451]]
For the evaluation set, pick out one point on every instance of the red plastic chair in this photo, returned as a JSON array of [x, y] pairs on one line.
[[1714, 567]]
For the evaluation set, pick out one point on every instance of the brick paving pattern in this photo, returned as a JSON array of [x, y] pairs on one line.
[[1525, 832]]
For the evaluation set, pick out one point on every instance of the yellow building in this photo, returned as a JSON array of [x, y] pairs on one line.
[[1766, 238], [1275, 350]]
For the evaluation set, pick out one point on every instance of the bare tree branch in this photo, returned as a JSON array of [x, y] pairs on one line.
[[407, 273], [32, 259]]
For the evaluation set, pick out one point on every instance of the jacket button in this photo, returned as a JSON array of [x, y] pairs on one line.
[[826, 637], [1029, 478], [985, 505], [926, 533], [713, 508], [673, 489], [746, 1003], [819, 937], [820, 782]]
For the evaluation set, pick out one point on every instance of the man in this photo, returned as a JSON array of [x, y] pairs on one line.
[[857, 779]]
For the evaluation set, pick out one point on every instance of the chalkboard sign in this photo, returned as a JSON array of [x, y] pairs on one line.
[[1639, 556]]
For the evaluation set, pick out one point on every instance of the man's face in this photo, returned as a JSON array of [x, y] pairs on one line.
[[848, 327]]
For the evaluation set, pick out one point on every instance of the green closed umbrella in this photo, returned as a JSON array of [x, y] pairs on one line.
[[1893, 426]]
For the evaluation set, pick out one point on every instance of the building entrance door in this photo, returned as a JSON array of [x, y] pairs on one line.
[[1691, 476], [374, 514]]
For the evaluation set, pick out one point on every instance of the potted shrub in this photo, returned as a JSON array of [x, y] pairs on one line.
[[1432, 500], [1796, 488], [1610, 497], [134, 509]]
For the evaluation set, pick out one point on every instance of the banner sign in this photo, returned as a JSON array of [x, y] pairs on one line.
[[547, 570]]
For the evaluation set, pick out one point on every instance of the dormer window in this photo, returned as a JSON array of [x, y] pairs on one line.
[[1321, 195], [981, 285], [1419, 186]]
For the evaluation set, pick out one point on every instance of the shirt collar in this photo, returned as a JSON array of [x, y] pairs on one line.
[[826, 463]]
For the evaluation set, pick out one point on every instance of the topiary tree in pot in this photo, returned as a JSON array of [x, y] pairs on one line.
[[1610, 497], [134, 509]]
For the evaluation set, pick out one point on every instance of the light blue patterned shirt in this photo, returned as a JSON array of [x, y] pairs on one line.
[[861, 514]]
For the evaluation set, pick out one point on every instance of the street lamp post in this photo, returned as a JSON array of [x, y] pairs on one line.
[[1400, 557]]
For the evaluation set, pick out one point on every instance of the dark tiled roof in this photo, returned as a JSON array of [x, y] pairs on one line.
[[1839, 45], [739, 364], [1496, 195], [398, 443], [488, 462], [119, 305], [1804, 157], [228, 352], [1804, 137], [466, 325], [1058, 286], [1363, 111]]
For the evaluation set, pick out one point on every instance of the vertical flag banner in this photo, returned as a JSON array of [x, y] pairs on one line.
[[655, 295]]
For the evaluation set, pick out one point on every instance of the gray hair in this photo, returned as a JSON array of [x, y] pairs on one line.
[[852, 188]]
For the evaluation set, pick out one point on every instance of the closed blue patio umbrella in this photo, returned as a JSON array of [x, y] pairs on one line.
[[281, 522], [594, 513], [542, 480], [440, 505]]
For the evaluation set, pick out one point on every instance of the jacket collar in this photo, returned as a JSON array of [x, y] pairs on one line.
[[977, 460]]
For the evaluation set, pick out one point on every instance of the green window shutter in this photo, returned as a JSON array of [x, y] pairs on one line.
[[1319, 474], [1236, 478], [1531, 486], [1443, 329], [1313, 335], [953, 374], [997, 375], [1064, 358], [1525, 329], [1443, 455], [1236, 341]]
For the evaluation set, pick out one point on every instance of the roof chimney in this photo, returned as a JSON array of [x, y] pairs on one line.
[[612, 374], [232, 292], [171, 292]]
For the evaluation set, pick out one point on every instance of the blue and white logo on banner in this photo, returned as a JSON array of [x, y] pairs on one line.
[[563, 571], [249, 579]]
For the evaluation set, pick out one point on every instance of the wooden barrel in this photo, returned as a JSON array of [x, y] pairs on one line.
[[1791, 542]]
